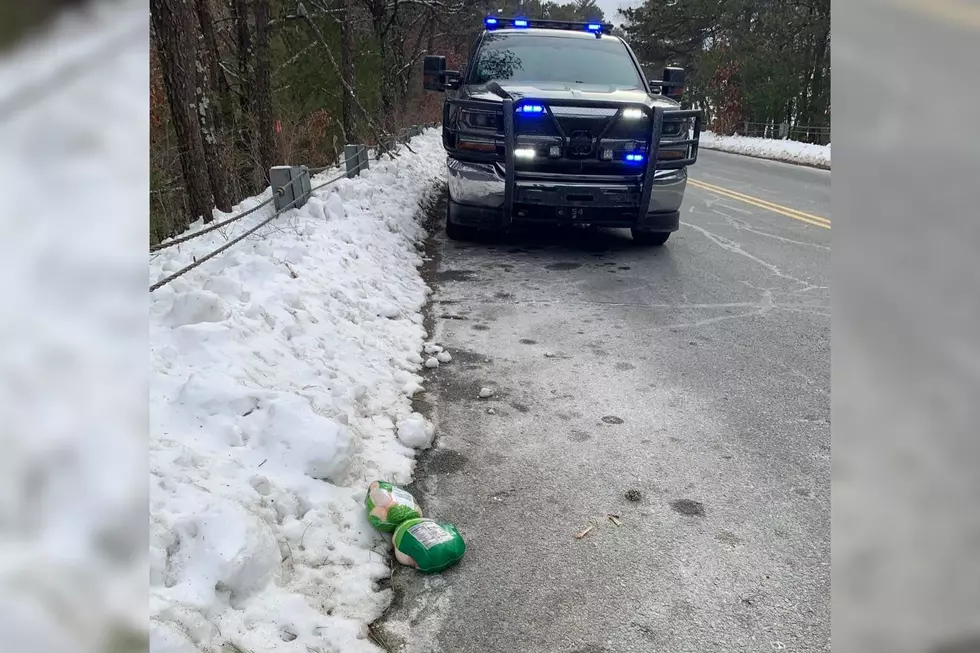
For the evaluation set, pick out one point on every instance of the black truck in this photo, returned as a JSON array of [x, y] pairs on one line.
[[554, 122]]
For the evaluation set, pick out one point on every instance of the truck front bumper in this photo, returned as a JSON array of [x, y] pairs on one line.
[[477, 199]]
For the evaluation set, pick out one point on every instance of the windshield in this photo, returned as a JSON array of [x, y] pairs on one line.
[[536, 58]]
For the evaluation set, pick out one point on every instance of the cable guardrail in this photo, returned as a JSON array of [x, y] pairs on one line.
[[784, 131], [243, 236], [278, 191], [297, 175], [209, 229], [359, 153]]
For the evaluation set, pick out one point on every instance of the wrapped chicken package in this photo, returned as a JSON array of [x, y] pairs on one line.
[[427, 545], [388, 506]]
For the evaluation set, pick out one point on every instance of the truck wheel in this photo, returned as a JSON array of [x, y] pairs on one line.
[[457, 231], [650, 238]]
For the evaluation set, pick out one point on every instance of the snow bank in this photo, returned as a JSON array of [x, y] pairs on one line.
[[768, 148], [283, 372]]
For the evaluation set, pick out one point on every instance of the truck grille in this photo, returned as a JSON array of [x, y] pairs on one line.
[[582, 128]]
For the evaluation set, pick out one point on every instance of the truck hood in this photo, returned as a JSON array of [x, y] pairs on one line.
[[553, 91]]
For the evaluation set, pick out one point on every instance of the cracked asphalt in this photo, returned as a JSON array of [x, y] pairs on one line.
[[693, 377]]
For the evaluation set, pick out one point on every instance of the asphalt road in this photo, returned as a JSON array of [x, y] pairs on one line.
[[697, 374]]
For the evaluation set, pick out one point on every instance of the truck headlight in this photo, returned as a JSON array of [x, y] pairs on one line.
[[676, 127], [480, 119]]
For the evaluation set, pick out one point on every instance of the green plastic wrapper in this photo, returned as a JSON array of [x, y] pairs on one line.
[[427, 545], [388, 506]]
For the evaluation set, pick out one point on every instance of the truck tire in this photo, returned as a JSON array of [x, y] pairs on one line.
[[457, 231], [650, 238]]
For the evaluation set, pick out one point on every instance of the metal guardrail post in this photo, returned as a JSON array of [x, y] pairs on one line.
[[304, 187], [352, 157], [362, 158], [290, 186], [280, 178]]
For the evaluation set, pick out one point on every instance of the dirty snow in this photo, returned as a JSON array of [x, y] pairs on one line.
[[283, 372], [769, 148]]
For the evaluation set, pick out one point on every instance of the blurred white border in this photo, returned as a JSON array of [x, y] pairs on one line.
[[74, 121]]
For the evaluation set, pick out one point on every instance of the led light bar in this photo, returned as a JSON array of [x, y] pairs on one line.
[[524, 153], [522, 22], [632, 113], [634, 158]]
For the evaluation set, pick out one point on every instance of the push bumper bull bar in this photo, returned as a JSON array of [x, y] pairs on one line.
[[563, 194]]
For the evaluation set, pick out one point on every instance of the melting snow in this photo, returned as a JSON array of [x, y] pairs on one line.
[[283, 372]]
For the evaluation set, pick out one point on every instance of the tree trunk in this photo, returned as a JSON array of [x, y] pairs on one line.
[[174, 27], [225, 114], [818, 105], [217, 172], [381, 23], [348, 70], [262, 88], [248, 168]]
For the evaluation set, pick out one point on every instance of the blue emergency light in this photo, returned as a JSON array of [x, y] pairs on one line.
[[634, 158], [529, 108], [523, 22]]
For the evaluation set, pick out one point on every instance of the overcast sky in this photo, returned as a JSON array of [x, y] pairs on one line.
[[609, 8]]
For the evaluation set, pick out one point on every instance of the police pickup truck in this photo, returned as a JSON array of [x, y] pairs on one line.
[[554, 122]]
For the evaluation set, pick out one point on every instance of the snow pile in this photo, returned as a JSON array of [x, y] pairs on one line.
[[768, 148], [283, 372]]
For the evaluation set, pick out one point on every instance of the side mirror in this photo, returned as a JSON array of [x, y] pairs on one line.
[[433, 73], [673, 83], [435, 77]]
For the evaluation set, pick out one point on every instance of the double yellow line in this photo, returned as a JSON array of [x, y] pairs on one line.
[[808, 218]]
